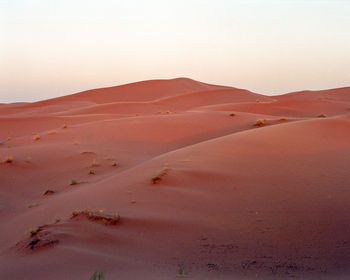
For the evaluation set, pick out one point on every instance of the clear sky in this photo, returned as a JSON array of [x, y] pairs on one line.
[[51, 48]]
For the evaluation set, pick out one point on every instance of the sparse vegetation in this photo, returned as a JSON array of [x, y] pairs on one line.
[[97, 275], [283, 119], [259, 122], [33, 232], [73, 182], [36, 137], [92, 172], [232, 114], [48, 192], [114, 163], [322, 116], [158, 177], [96, 216]]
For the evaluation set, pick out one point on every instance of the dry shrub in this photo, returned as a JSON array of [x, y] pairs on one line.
[[96, 216]]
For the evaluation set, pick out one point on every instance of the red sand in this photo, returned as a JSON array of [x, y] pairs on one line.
[[235, 201]]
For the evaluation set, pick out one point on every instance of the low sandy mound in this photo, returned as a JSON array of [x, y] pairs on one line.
[[229, 206], [197, 99], [288, 108], [338, 94]]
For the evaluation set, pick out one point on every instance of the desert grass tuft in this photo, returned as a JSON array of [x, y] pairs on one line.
[[48, 192], [92, 172], [33, 232], [96, 216], [97, 275], [36, 137], [181, 272], [87, 152], [158, 177], [73, 182], [35, 204], [259, 122]]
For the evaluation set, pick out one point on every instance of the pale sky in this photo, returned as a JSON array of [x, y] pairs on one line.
[[51, 48]]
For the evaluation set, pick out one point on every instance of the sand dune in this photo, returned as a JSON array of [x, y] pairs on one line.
[[202, 192]]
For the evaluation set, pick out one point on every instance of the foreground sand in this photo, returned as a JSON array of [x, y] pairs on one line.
[[231, 200]]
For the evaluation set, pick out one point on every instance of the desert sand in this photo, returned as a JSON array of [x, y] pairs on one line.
[[164, 179]]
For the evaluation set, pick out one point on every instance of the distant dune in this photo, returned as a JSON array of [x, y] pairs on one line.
[[164, 179]]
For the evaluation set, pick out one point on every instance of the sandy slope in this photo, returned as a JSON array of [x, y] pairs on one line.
[[235, 202]]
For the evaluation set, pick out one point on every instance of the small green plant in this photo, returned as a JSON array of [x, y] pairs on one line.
[[73, 182], [181, 272], [97, 275], [92, 172]]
